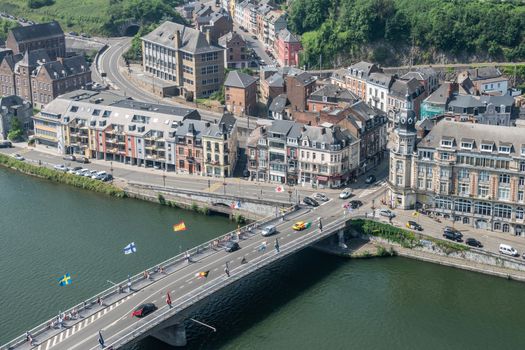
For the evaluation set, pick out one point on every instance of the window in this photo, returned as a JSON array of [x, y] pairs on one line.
[[504, 149], [421, 184], [446, 143], [445, 156], [429, 184], [519, 213], [521, 181], [73, 109], [504, 193], [502, 211], [483, 191], [466, 145], [482, 208], [483, 176], [444, 173], [522, 166], [464, 189], [463, 205], [520, 196], [486, 147], [443, 203], [443, 187], [504, 179], [463, 174], [181, 150], [399, 180]]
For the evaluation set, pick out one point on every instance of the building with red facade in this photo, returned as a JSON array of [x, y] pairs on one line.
[[287, 48]]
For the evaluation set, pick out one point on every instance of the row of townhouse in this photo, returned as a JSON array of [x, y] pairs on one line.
[[387, 92], [294, 153], [473, 173], [106, 126], [269, 24]]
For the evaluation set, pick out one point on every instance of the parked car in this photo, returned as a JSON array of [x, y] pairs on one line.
[[18, 156], [83, 160], [246, 173], [347, 193], [453, 230], [320, 197], [310, 201], [473, 242], [453, 236], [355, 204], [73, 33], [70, 157], [370, 179], [414, 226], [60, 167], [387, 212], [73, 170], [90, 173], [106, 178], [98, 175], [6, 144], [508, 250], [144, 310], [269, 230], [231, 246], [81, 172], [300, 225]]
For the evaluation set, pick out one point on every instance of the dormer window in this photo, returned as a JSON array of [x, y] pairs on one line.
[[504, 149], [446, 143], [466, 145], [523, 150], [73, 109], [485, 147]]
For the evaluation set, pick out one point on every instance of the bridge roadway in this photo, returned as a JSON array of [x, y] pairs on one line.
[[114, 319]]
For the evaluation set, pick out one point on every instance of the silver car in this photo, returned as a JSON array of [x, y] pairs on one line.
[[269, 230]]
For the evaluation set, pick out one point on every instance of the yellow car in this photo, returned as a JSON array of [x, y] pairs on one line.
[[301, 225]]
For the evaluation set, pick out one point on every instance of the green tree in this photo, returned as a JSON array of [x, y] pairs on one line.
[[15, 133]]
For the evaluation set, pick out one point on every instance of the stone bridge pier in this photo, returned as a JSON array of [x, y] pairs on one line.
[[173, 333]]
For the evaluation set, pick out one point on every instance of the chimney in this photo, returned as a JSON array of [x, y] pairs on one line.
[[177, 39], [323, 131], [208, 36]]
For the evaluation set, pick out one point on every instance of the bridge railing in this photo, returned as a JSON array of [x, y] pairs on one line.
[[208, 289], [119, 287]]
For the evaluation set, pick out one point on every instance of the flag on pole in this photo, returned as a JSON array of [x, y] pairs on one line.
[[168, 298], [100, 339], [65, 280], [130, 248], [202, 274], [179, 227], [235, 204]]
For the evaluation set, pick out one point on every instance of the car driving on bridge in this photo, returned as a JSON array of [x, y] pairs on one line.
[[231, 246], [144, 310], [414, 226], [347, 193], [300, 225]]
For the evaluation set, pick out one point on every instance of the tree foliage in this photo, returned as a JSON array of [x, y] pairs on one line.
[[5, 26], [15, 132], [340, 29]]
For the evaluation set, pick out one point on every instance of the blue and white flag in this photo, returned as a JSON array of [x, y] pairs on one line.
[[130, 248], [262, 247]]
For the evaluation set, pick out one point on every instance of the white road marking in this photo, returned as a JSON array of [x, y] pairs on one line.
[[106, 311], [92, 318], [67, 332], [54, 340], [61, 337], [181, 287], [39, 347], [48, 344], [98, 315]]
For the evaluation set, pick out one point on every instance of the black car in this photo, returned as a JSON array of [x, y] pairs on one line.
[[355, 204], [473, 242], [246, 173], [370, 179], [144, 310], [106, 177], [453, 230], [83, 160], [414, 226], [231, 246], [453, 236], [310, 201]]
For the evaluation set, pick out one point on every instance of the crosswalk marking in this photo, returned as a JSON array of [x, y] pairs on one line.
[[105, 311], [48, 344], [92, 318], [61, 337], [54, 341], [39, 347], [67, 332], [98, 315]]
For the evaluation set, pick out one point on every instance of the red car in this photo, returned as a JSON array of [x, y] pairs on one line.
[[144, 310]]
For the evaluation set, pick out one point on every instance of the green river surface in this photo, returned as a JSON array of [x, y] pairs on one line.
[[308, 301]]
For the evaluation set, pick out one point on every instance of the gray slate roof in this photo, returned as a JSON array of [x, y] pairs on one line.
[[239, 80], [192, 40], [400, 88], [275, 80], [287, 36], [380, 79], [365, 67], [226, 38], [70, 66], [479, 133], [440, 96], [279, 103], [37, 31], [333, 93]]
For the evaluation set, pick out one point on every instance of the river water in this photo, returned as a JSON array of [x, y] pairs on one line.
[[308, 301]]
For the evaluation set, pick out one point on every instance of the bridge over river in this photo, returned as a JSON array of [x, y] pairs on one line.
[[110, 311]]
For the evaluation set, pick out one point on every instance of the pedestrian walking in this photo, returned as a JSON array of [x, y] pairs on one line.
[[277, 248], [244, 261], [168, 299], [59, 322], [320, 225], [227, 271]]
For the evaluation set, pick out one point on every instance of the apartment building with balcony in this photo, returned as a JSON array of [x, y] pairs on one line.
[[220, 147], [328, 156], [473, 173], [186, 57], [257, 152], [106, 126]]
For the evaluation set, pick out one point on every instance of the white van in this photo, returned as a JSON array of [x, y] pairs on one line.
[[507, 250]]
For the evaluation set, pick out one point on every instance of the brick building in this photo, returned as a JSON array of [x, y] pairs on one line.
[[240, 93], [287, 47], [235, 51], [47, 36]]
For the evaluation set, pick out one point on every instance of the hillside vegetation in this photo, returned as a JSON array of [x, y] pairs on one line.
[[393, 31], [96, 17]]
